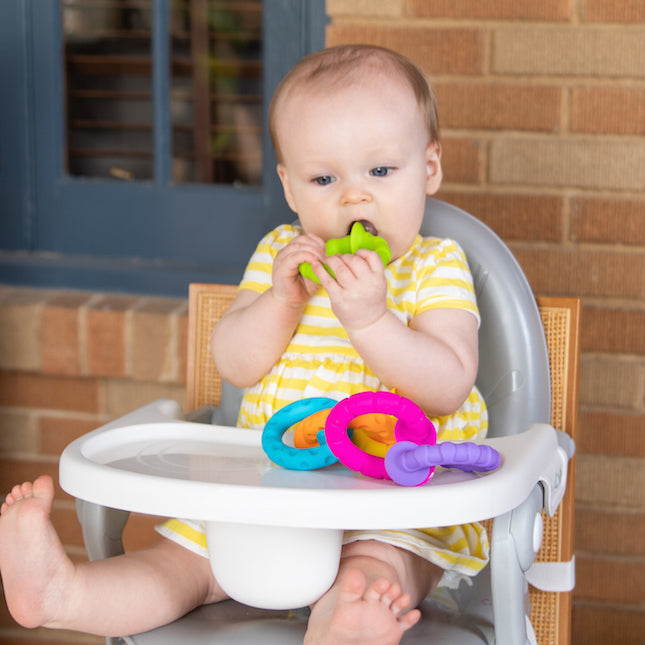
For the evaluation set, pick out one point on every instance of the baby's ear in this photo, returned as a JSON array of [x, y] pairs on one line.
[[284, 179], [433, 166]]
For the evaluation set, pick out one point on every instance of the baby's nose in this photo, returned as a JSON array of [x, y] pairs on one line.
[[356, 194]]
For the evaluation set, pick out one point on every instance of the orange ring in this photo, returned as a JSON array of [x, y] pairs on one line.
[[373, 433]]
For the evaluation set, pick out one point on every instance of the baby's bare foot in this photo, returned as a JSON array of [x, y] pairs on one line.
[[33, 564], [361, 613]]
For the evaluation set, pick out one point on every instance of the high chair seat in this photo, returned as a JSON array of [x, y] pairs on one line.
[[529, 381]]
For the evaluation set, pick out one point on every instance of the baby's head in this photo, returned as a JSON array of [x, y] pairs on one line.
[[356, 136], [345, 65]]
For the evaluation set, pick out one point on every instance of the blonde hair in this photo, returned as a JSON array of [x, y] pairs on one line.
[[345, 65]]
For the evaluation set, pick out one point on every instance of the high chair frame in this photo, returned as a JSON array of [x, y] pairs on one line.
[[555, 351]]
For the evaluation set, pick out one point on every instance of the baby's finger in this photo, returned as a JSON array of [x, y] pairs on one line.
[[372, 258], [346, 266], [326, 279], [310, 241]]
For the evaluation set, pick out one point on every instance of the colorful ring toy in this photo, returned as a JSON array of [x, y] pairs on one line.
[[372, 433], [296, 458], [305, 433], [412, 425]]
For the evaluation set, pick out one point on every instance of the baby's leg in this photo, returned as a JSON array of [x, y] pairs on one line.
[[376, 584], [122, 595]]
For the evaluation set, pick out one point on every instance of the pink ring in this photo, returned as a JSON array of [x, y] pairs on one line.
[[412, 425]]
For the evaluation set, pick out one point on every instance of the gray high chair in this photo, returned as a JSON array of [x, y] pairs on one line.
[[527, 374]]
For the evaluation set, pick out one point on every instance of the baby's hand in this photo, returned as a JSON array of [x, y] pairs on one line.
[[288, 285], [359, 293]]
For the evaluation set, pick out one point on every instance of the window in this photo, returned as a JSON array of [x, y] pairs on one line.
[[133, 149], [215, 89]]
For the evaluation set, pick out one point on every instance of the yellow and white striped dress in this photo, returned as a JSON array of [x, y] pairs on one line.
[[320, 361]]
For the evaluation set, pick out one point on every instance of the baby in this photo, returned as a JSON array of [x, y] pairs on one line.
[[356, 137]]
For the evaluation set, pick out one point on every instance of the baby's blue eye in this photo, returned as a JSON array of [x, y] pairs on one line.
[[324, 180], [380, 171]]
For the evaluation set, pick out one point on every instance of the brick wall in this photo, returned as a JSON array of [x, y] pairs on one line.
[[542, 108], [69, 362]]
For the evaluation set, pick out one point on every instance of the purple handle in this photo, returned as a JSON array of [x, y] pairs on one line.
[[411, 465], [467, 456]]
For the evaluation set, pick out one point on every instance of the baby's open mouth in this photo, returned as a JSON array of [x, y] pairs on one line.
[[368, 226]]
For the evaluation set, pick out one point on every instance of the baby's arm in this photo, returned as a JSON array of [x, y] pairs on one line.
[[254, 332], [433, 361]]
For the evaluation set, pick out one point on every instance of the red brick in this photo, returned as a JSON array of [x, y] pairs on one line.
[[568, 272], [613, 330], [18, 431], [153, 340], [366, 8], [607, 380], [106, 336], [608, 221], [609, 483], [437, 51], [122, 397], [615, 110], [26, 390], [614, 11], [20, 328], [609, 532], [57, 432], [60, 344], [16, 471], [594, 624], [525, 49], [513, 217], [568, 162], [500, 9], [498, 107], [611, 580], [462, 160], [611, 433]]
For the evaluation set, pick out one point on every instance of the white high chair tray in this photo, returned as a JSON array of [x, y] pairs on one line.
[[150, 463], [273, 535]]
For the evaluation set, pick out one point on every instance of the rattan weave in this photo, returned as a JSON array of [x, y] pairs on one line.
[[550, 612]]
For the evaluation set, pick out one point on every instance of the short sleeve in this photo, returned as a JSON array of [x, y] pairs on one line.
[[258, 273], [444, 279]]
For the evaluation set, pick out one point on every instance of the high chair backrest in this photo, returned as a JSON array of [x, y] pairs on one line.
[[527, 371], [512, 348]]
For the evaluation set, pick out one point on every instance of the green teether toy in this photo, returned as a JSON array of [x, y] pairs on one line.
[[358, 238]]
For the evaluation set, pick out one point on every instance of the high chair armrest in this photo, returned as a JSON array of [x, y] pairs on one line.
[[516, 540], [555, 487]]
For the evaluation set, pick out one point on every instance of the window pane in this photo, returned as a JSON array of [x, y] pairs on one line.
[[216, 89], [109, 88]]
